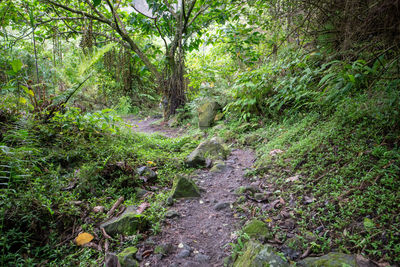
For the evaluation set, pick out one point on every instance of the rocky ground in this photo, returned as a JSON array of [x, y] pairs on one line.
[[197, 231]]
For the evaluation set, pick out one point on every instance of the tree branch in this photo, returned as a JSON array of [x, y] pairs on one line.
[[101, 19], [197, 14], [162, 36], [170, 9]]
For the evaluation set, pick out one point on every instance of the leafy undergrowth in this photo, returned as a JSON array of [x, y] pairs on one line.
[[55, 173], [336, 178]]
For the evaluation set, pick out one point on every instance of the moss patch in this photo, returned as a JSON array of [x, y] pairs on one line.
[[184, 187], [257, 229]]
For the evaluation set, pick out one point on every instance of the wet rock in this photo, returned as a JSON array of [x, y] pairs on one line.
[[257, 229], [290, 253], [207, 112], [184, 253], [218, 166], [333, 259], [247, 189], [127, 257], [202, 258], [260, 197], [257, 255], [184, 187], [209, 149], [128, 223], [111, 260], [147, 173], [172, 214], [221, 206], [169, 201], [209, 163]]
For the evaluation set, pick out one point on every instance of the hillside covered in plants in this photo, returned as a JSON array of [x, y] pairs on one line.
[[199, 133]]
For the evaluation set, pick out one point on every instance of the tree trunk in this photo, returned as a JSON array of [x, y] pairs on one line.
[[174, 86]]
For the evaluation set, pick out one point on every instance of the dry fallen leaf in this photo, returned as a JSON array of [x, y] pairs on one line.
[[83, 239], [293, 178], [142, 207]]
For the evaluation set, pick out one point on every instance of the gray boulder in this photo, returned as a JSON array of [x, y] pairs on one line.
[[333, 259], [209, 149], [147, 173], [127, 257], [257, 255], [184, 187], [128, 223]]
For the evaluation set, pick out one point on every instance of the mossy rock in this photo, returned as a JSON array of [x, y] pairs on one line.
[[333, 259], [207, 113], [213, 149], [257, 229], [127, 257], [184, 187], [128, 223], [257, 255], [247, 189], [218, 166], [164, 249]]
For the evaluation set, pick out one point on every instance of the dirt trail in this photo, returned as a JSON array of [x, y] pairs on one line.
[[200, 234], [150, 125]]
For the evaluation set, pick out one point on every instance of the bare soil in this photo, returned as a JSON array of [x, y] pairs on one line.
[[152, 125]]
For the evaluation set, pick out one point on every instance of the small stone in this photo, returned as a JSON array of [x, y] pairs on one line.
[[183, 253], [128, 223], [202, 258], [247, 188], [148, 173], [257, 229], [111, 260], [260, 197], [218, 166], [169, 201], [127, 257], [98, 209], [209, 163], [221, 206], [172, 214], [184, 187]]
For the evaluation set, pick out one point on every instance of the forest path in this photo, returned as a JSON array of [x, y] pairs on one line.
[[199, 230], [151, 125]]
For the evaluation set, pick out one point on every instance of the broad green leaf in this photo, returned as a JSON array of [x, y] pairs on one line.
[[16, 65], [22, 100], [28, 91], [96, 3]]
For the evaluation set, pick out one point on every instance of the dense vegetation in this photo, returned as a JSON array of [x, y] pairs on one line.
[[315, 81]]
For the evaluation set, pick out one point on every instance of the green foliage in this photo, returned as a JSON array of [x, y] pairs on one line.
[[96, 153]]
